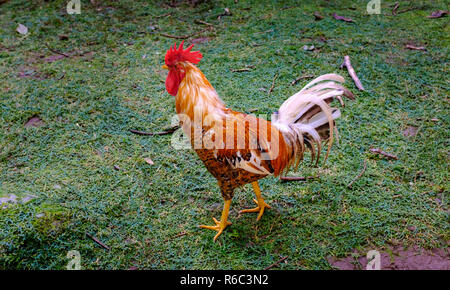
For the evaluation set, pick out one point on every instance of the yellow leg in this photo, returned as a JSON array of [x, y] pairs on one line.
[[223, 223], [259, 201]]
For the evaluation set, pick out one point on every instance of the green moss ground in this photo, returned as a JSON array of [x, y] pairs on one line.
[[89, 102]]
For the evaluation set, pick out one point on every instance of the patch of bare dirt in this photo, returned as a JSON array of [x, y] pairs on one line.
[[34, 121], [410, 131], [397, 258]]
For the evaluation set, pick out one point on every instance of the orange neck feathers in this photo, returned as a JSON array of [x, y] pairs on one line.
[[196, 97]]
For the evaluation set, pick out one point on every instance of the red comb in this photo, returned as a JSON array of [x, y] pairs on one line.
[[175, 54]]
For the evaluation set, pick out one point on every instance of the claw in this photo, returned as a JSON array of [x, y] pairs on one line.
[[260, 208], [219, 227], [223, 223]]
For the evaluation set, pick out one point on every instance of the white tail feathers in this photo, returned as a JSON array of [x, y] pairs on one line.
[[306, 118]]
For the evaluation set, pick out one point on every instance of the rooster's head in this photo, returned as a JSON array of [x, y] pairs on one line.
[[175, 57]]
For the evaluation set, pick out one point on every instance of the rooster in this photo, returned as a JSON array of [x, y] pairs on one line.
[[239, 148]]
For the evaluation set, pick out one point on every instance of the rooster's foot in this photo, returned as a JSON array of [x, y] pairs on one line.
[[220, 226], [223, 223], [260, 208]]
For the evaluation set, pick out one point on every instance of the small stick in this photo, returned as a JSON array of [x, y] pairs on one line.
[[247, 68], [183, 36], [163, 15], [166, 132], [276, 263], [406, 10], [176, 236], [379, 151], [359, 175], [97, 241], [394, 11], [301, 78], [346, 19], [56, 51], [203, 22], [439, 13], [296, 178], [413, 47], [241, 69], [352, 72], [61, 77], [273, 84]]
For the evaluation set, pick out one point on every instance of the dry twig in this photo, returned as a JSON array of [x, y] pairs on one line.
[[276, 263], [273, 84], [176, 236], [165, 132], [352, 72], [241, 69], [379, 151], [394, 10], [56, 51], [438, 14], [97, 241], [407, 9], [413, 47], [247, 68], [301, 78], [203, 22], [163, 15], [346, 19], [297, 178], [359, 175]]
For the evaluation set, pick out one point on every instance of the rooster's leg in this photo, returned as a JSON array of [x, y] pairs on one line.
[[259, 201], [223, 223]]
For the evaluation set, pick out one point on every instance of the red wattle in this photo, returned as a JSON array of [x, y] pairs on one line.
[[173, 81]]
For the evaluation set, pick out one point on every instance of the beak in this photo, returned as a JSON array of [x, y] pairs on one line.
[[165, 67]]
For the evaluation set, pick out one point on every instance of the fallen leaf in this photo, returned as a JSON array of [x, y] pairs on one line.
[[28, 198], [225, 13], [7, 201], [346, 19], [54, 57], [309, 48], [34, 121], [22, 29], [149, 161], [438, 14], [410, 131], [318, 16], [63, 37]]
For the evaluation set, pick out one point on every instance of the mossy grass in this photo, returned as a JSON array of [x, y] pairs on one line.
[[112, 82]]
